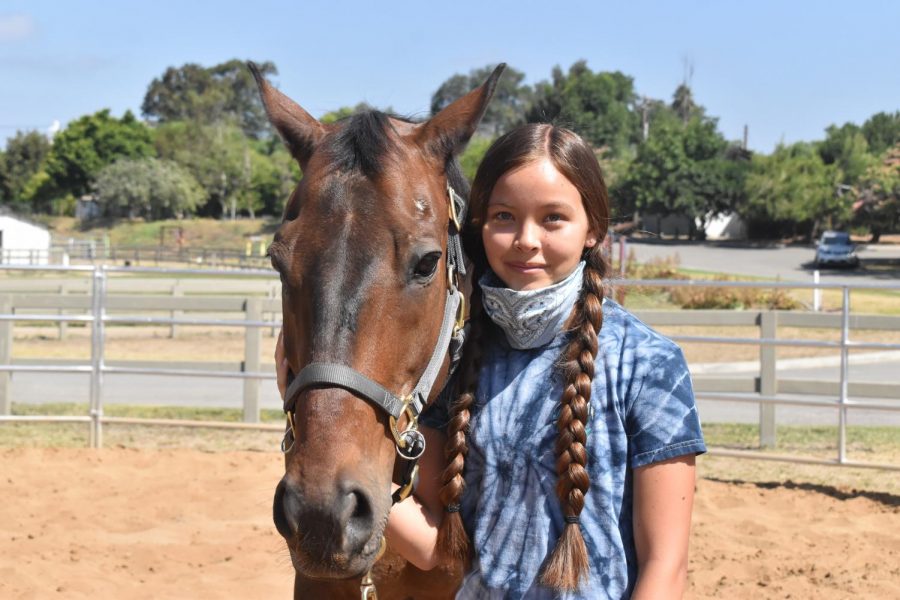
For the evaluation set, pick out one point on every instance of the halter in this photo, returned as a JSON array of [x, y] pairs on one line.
[[410, 443]]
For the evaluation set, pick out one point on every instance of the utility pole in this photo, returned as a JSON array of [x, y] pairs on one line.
[[744, 145], [645, 121]]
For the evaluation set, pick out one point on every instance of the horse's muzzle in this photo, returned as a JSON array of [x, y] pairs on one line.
[[333, 537]]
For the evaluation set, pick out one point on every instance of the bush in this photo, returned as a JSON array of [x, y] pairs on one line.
[[701, 296]]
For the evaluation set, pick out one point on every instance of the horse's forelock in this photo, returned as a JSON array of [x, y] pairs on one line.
[[362, 143]]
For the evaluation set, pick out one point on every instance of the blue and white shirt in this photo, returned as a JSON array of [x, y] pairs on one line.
[[642, 411]]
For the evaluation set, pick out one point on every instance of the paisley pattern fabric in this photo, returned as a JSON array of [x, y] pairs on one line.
[[530, 318], [643, 412]]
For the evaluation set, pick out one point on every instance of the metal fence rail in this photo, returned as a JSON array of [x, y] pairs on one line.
[[766, 395]]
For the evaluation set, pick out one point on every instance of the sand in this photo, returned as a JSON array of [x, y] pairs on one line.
[[126, 523]]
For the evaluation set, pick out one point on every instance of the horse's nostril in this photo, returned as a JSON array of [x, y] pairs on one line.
[[285, 510], [358, 516]]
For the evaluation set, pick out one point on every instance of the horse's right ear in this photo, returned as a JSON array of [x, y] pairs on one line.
[[300, 131], [447, 132]]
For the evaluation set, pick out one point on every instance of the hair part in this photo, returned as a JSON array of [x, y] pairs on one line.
[[568, 562]]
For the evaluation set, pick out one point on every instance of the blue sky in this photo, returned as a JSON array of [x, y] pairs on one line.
[[785, 69]]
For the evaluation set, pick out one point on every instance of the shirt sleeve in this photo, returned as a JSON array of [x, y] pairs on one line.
[[661, 419]]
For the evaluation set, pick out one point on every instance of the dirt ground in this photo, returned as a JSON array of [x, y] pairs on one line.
[[148, 523]]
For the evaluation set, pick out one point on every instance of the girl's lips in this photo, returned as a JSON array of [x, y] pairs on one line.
[[524, 267]]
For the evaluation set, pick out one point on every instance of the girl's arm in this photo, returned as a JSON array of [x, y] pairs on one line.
[[663, 499], [413, 524]]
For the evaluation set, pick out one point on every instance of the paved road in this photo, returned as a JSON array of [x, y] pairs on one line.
[[790, 263]]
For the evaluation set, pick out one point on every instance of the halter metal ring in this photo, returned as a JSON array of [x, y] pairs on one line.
[[292, 430], [413, 421]]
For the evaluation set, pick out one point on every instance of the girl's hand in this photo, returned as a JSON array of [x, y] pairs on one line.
[[281, 364]]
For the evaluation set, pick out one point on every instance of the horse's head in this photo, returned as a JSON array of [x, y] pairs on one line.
[[362, 252]]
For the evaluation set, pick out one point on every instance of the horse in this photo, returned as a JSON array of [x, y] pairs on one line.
[[373, 300]]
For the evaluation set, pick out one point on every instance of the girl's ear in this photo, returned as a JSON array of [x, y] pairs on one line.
[[591, 240]]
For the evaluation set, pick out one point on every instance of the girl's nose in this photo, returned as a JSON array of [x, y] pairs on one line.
[[528, 237]]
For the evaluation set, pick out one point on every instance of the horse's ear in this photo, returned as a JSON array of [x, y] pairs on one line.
[[447, 132], [299, 130]]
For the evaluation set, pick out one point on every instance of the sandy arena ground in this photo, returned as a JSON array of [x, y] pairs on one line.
[[123, 523]]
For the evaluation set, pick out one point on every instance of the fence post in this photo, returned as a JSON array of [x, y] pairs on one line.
[[273, 293], [252, 344], [177, 292], [63, 326], [98, 309], [845, 374], [6, 339], [768, 378]]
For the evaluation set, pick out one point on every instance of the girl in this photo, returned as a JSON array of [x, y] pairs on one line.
[[569, 449]]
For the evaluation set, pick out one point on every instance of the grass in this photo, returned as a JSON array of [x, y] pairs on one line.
[[197, 232]]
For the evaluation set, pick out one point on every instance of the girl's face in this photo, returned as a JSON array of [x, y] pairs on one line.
[[536, 227]]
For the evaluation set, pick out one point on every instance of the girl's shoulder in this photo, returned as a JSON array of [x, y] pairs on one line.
[[622, 332]]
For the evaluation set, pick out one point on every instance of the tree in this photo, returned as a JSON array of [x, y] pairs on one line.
[[878, 195], [847, 148], [683, 169], [90, 143], [683, 104], [601, 107], [149, 188], [224, 92], [794, 185], [25, 155], [506, 109], [237, 173], [882, 131]]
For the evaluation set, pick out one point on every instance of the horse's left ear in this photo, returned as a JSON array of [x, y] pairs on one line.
[[447, 132], [300, 131]]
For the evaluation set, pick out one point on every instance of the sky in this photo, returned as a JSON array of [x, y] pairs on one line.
[[785, 69]]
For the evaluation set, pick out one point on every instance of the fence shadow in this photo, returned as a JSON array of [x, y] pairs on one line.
[[885, 498]]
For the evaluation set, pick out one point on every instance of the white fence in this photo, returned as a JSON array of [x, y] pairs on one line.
[[99, 295]]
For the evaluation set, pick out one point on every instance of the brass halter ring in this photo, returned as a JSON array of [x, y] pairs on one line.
[[292, 430]]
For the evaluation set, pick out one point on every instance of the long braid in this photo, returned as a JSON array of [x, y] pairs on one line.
[[569, 560], [452, 541]]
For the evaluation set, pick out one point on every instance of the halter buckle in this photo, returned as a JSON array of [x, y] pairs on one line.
[[412, 425], [454, 217]]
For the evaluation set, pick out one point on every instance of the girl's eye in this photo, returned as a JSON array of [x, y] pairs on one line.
[[503, 215], [554, 218]]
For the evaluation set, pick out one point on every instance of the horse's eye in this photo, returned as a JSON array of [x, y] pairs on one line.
[[426, 266]]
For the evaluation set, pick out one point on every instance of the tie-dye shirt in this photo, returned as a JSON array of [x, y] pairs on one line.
[[641, 411]]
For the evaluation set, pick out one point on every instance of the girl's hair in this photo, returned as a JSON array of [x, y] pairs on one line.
[[572, 157]]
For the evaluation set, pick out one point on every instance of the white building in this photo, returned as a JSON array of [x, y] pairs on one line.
[[22, 242]]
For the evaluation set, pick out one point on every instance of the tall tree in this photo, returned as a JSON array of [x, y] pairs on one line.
[[882, 131], [601, 107], [90, 143], [25, 155], [506, 110], [224, 92]]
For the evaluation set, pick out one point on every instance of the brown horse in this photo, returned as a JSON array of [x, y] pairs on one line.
[[363, 252]]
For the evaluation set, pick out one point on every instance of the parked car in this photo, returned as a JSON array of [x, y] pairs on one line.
[[835, 249]]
